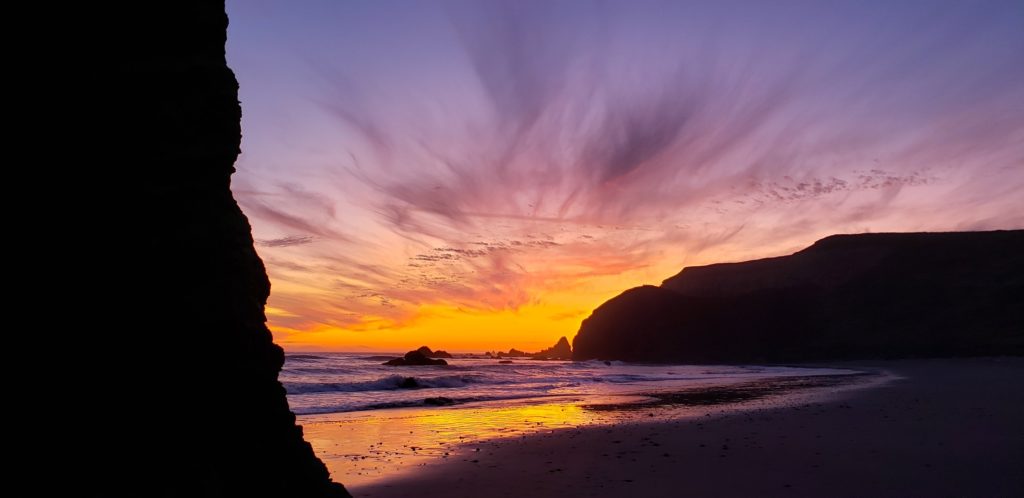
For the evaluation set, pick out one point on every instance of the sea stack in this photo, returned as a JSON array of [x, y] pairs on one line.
[[415, 358], [560, 351]]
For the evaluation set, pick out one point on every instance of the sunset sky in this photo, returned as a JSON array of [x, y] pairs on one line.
[[481, 175]]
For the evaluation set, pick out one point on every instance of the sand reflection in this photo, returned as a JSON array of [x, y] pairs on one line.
[[361, 447]]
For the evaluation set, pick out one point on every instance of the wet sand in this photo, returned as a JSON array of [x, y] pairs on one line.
[[942, 428], [365, 447]]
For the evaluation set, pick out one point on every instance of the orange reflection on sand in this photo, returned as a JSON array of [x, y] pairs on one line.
[[361, 447]]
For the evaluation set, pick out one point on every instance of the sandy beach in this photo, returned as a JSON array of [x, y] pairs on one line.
[[941, 428]]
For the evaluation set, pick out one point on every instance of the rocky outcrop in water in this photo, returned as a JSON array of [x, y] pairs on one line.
[[512, 353], [414, 359], [560, 351], [440, 353], [183, 288], [846, 296]]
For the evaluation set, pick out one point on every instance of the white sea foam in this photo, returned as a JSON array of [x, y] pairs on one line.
[[343, 382]]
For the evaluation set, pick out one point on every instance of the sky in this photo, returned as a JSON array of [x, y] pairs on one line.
[[481, 175]]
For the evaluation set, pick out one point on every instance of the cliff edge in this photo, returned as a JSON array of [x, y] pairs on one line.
[[177, 376], [885, 295]]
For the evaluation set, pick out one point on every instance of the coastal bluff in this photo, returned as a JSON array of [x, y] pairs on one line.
[[176, 390], [884, 295]]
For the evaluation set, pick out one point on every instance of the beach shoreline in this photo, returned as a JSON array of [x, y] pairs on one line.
[[362, 447], [945, 427]]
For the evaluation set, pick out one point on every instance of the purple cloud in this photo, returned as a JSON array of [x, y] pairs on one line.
[[487, 154]]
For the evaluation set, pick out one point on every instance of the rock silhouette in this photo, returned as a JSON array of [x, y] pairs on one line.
[[847, 296], [512, 353], [414, 358], [206, 415], [560, 351], [440, 353]]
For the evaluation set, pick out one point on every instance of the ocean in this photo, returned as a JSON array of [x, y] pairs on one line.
[[348, 382], [370, 422]]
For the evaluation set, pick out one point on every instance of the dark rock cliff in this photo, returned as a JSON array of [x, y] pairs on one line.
[[846, 296], [180, 380]]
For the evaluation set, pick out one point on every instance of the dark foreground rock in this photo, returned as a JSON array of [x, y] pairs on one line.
[[414, 358], [170, 259], [846, 296]]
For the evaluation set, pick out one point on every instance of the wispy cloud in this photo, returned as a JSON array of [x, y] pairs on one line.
[[491, 155]]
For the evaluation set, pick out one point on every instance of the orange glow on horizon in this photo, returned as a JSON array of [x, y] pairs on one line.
[[414, 180], [442, 326], [556, 308]]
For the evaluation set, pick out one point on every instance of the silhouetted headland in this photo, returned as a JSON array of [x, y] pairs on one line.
[[887, 295]]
